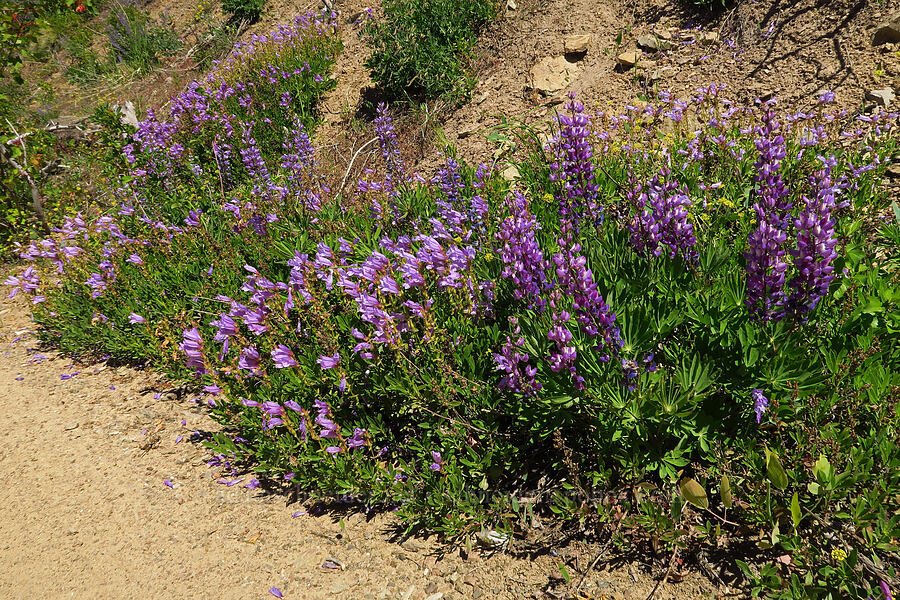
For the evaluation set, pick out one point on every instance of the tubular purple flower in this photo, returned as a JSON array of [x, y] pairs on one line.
[[135, 319], [437, 463], [249, 360], [329, 362], [358, 440], [283, 357], [192, 346], [760, 404]]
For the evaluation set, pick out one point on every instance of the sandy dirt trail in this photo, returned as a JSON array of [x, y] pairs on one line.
[[85, 512]]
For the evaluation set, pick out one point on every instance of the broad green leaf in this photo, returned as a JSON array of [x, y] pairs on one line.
[[725, 492], [896, 211], [775, 471], [694, 493], [795, 510]]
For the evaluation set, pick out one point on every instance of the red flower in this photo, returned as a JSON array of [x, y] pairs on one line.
[[80, 8]]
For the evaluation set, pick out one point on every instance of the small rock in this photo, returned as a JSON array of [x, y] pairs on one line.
[[437, 596], [883, 98], [511, 5], [708, 37], [511, 173], [893, 172], [649, 42], [553, 74], [72, 425], [577, 44], [477, 593], [410, 546], [169, 80], [628, 59], [431, 588], [889, 31]]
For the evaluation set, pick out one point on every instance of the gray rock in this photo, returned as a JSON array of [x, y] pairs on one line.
[[889, 31], [883, 98]]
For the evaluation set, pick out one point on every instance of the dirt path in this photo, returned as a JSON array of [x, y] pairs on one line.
[[86, 512]]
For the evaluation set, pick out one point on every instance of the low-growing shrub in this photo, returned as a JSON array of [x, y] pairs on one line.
[[243, 10], [138, 41], [420, 47], [684, 298]]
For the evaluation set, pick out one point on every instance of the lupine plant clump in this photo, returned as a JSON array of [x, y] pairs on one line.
[[688, 296]]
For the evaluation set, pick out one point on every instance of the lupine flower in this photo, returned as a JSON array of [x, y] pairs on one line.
[[520, 376], [593, 314], [816, 243], [524, 262], [135, 319], [134, 259], [572, 168], [760, 404], [662, 219], [276, 592]]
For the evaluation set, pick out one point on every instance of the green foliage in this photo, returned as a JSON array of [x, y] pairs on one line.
[[243, 10], [677, 445], [420, 47], [137, 41]]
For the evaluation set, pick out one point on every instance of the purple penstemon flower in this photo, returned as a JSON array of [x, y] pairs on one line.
[[437, 462], [329, 428], [136, 319], [283, 357], [249, 360], [192, 346], [358, 440], [760, 404], [329, 362]]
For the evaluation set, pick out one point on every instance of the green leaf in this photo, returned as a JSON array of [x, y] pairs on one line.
[[725, 492], [694, 493], [822, 470], [565, 573], [896, 211], [795, 510], [775, 471]]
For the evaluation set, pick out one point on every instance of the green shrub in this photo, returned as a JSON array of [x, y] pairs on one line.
[[243, 10], [681, 321], [420, 47], [137, 41]]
